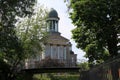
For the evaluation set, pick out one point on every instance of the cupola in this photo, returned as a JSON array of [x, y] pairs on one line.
[[52, 21], [53, 14]]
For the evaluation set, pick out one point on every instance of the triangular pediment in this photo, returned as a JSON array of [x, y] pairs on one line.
[[57, 39]]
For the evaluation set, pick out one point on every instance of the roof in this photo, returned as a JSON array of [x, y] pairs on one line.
[[53, 14]]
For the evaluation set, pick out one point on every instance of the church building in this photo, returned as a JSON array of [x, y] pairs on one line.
[[56, 47]]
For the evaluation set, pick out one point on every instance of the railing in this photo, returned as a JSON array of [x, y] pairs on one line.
[[29, 64]]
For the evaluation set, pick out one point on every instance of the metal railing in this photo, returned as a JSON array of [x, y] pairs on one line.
[[29, 64]]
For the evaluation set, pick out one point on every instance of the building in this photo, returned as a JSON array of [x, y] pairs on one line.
[[57, 46]]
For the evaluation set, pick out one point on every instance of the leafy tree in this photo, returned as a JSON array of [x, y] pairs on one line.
[[11, 50], [83, 66], [97, 28], [32, 32]]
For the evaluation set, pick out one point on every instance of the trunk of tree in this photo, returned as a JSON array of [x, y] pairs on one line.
[[112, 47], [114, 70], [112, 44]]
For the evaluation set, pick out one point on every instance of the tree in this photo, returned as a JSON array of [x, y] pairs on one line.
[[97, 24], [32, 32], [84, 66], [11, 50], [95, 52]]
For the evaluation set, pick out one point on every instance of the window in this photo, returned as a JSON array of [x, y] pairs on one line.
[[61, 52], [64, 53], [47, 51], [50, 25], [54, 25]]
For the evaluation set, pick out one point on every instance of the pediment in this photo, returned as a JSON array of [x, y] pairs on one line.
[[57, 39]]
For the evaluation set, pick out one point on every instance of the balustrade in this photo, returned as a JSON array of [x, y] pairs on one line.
[[29, 64]]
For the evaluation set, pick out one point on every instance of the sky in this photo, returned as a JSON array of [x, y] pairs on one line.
[[65, 23]]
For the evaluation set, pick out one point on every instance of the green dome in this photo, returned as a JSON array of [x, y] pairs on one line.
[[53, 14]]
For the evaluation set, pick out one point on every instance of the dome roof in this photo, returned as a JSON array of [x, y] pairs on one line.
[[53, 14]]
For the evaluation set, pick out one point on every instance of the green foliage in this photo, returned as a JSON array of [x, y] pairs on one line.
[[96, 54], [10, 46], [83, 66], [97, 28], [41, 77], [66, 77], [32, 32], [11, 50], [56, 77]]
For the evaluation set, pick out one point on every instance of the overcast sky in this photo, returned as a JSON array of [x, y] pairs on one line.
[[65, 25]]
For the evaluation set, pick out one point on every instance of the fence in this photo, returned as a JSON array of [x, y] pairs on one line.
[[109, 70]]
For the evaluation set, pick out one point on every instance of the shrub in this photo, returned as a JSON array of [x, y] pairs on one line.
[[48, 62]]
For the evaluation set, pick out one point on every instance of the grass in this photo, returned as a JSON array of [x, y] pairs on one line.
[[56, 77]]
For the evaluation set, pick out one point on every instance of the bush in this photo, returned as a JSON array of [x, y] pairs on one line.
[[48, 62], [56, 77]]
